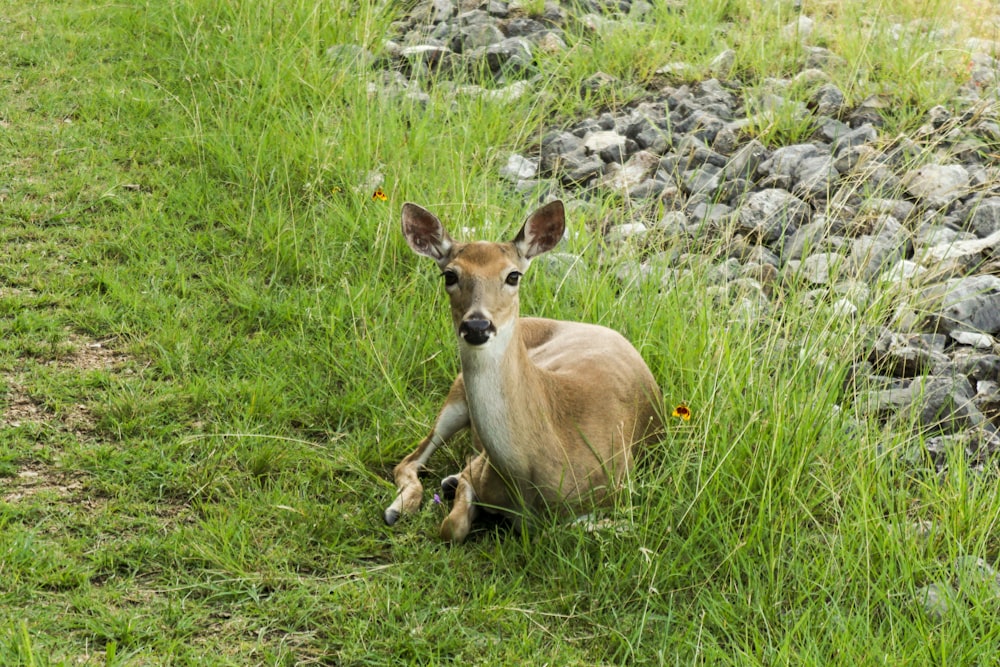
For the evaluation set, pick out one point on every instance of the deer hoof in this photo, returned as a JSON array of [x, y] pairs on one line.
[[391, 516], [448, 486]]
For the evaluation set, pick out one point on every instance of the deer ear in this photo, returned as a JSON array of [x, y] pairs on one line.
[[542, 230], [425, 234]]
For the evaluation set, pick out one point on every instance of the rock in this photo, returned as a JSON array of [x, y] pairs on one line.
[[629, 231], [937, 600], [872, 255], [818, 269], [941, 404], [976, 580], [598, 142], [827, 100], [968, 304], [984, 217], [722, 65], [961, 257], [816, 177], [745, 162], [771, 214], [476, 36], [786, 160], [632, 174], [519, 168], [937, 185], [511, 56], [902, 356], [801, 29], [979, 341]]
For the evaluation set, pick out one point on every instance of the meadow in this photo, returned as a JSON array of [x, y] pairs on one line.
[[215, 344]]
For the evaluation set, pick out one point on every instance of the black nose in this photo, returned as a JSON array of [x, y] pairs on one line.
[[476, 332]]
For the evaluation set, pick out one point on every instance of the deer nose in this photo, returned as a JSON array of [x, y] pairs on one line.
[[476, 331]]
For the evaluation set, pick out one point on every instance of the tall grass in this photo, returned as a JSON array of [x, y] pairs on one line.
[[190, 183]]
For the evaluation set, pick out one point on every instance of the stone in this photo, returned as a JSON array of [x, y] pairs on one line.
[[902, 356], [970, 304], [511, 56], [937, 185], [597, 142], [746, 160], [629, 231], [519, 168], [475, 36], [827, 100], [722, 65], [819, 269], [771, 214], [974, 339], [936, 599], [958, 258], [984, 217], [632, 174]]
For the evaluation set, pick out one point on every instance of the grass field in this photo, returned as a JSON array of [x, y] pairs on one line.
[[215, 345]]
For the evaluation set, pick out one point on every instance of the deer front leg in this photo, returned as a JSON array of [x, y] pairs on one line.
[[454, 417], [478, 487]]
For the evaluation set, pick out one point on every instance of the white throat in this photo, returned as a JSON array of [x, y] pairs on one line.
[[488, 396]]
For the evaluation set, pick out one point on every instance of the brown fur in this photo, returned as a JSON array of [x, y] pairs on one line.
[[556, 408]]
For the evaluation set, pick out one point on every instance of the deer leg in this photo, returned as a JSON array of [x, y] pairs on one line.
[[454, 417], [478, 487]]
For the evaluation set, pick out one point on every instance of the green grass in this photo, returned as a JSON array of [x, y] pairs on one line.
[[188, 184]]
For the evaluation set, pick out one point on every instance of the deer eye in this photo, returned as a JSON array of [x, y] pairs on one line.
[[513, 278], [450, 278]]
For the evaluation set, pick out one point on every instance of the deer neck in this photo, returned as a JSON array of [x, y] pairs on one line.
[[500, 380]]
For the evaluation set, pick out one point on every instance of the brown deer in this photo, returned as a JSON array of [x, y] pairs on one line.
[[556, 408]]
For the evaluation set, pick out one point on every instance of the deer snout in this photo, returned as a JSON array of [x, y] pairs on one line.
[[476, 331]]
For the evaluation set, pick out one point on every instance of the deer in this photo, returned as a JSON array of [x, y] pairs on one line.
[[557, 409]]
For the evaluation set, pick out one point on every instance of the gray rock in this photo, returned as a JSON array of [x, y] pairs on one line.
[[946, 404], [941, 404], [476, 36], [974, 339], [958, 258], [771, 214], [984, 217], [786, 160], [745, 162], [976, 580], [626, 232], [426, 55], [937, 599], [872, 255], [823, 58], [819, 268], [969, 304], [522, 26], [633, 173], [703, 180], [723, 64], [906, 356], [519, 168], [600, 141], [827, 100], [511, 56], [937, 185], [816, 177], [859, 136], [557, 145]]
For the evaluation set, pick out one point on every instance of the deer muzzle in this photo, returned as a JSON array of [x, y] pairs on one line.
[[476, 331]]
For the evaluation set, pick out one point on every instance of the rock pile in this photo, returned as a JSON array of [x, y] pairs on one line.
[[844, 210]]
